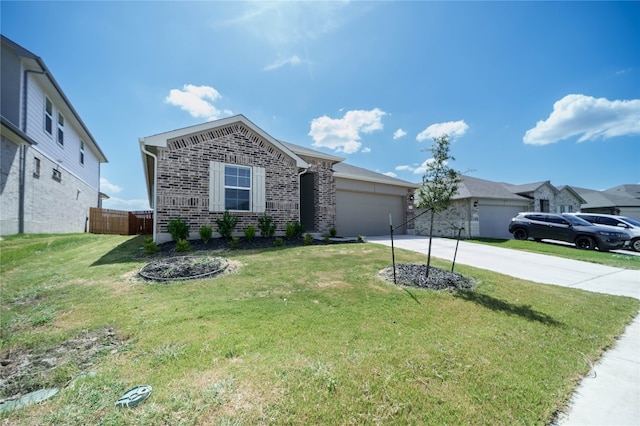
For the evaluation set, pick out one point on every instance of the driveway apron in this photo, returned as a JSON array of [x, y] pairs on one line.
[[610, 394]]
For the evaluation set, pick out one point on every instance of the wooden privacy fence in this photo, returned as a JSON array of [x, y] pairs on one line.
[[105, 221]]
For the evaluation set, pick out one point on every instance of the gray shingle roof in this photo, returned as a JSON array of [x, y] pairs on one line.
[[472, 187]]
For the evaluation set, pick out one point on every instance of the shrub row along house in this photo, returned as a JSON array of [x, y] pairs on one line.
[[50, 162], [199, 172]]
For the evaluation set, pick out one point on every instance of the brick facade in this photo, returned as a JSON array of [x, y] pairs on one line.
[[324, 194], [183, 178]]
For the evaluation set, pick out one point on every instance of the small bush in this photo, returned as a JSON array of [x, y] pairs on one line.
[[205, 233], [308, 239], [235, 242], [266, 226], [227, 224], [293, 229], [332, 232], [250, 233], [150, 246], [361, 238], [326, 239], [277, 242], [183, 246], [178, 229]]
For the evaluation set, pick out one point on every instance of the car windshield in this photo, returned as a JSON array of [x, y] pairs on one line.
[[631, 221], [575, 220]]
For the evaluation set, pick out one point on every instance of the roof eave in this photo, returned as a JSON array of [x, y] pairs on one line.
[[375, 180]]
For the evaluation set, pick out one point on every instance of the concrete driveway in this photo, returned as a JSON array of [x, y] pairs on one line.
[[610, 395]]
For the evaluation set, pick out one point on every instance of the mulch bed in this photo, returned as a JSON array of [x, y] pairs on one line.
[[415, 276]]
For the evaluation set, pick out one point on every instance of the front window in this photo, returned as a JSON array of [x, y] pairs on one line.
[[237, 188], [81, 152]]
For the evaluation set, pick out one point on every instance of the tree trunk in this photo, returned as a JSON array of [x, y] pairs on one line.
[[429, 251]]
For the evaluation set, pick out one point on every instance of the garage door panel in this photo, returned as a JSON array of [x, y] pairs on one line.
[[494, 220], [360, 213]]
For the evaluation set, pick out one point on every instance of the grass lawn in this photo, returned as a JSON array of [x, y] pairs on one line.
[[625, 259], [303, 335]]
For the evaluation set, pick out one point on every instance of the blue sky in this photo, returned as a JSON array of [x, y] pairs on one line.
[[528, 91]]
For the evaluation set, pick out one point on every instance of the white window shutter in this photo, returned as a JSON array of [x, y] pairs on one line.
[[216, 186], [258, 189]]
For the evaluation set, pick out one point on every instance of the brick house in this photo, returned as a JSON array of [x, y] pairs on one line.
[[50, 162], [198, 172]]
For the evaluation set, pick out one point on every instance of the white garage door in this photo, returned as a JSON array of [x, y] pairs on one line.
[[366, 214], [494, 220]]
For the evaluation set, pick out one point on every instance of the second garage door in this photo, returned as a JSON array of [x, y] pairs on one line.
[[359, 213]]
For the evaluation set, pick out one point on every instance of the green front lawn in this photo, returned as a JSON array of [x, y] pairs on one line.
[[304, 335]]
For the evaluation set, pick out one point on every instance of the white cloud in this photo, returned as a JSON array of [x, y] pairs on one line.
[[127, 205], [423, 167], [366, 150], [415, 169], [108, 187], [390, 174], [583, 115], [399, 133], [343, 134], [197, 101], [455, 130], [293, 61]]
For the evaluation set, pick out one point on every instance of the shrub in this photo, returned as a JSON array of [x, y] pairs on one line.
[[332, 232], [227, 224], [361, 238], [178, 229], [150, 246], [205, 233], [293, 229], [250, 233], [183, 246], [308, 239], [266, 226], [235, 242], [277, 242], [326, 239]]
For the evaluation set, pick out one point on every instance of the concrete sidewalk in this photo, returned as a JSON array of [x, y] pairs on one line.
[[609, 395]]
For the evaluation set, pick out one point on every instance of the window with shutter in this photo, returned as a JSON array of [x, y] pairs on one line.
[[236, 188]]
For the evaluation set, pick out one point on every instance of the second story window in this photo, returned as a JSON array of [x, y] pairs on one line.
[[48, 116], [60, 129], [81, 152]]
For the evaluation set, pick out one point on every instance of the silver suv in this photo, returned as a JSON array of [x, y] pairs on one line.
[[569, 228], [632, 226]]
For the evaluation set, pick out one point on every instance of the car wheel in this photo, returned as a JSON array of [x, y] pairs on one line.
[[635, 244], [585, 243], [520, 234]]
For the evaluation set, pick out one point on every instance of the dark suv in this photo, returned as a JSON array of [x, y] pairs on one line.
[[569, 228]]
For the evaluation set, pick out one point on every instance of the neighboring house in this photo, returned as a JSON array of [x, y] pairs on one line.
[[198, 172], [484, 208], [623, 200], [50, 163], [547, 198]]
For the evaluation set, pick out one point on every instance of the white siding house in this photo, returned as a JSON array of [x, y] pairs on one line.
[[50, 166]]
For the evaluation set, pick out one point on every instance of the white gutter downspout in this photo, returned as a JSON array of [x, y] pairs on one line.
[[155, 184]]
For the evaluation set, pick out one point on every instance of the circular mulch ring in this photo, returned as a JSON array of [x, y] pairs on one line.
[[182, 268], [415, 276]]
